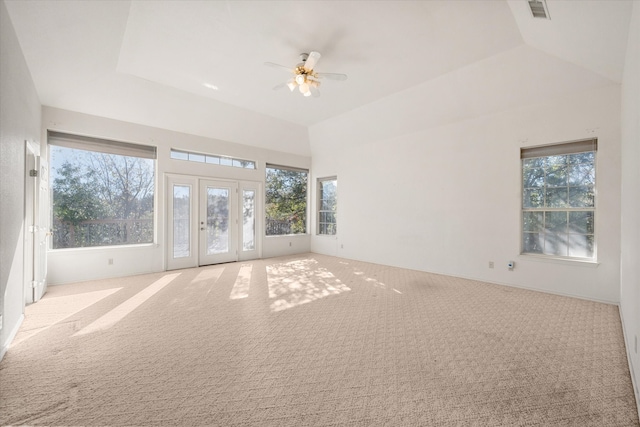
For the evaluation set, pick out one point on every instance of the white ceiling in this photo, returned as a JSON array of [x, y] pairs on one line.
[[118, 58]]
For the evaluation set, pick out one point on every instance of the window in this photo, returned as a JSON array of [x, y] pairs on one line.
[[558, 203], [211, 159], [102, 192], [327, 201], [285, 200]]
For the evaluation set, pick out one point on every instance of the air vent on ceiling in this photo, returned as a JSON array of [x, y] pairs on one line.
[[539, 9]]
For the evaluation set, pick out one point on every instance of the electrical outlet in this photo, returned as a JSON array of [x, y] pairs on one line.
[[0, 321], [490, 264], [110, 261], [510, 265], [341, 246], [289, 243]]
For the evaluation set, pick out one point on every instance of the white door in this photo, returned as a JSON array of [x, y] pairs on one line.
[[211, 221], [43, 230], [182, 236], [218, 222], [36, 222], [30, 221]]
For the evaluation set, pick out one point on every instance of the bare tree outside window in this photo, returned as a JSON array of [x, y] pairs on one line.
[[100, 199]]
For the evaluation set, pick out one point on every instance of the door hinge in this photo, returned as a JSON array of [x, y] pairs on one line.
[[34, 284], [33, 173], [33, 228]]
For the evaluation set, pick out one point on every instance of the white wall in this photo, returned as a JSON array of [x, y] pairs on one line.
[[19, 121], [446, 198], [71, 265], [630, 267]]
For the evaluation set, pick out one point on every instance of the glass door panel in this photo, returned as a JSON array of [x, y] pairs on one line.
[[217, 230], [181, 221], [218, 222], [248, 220]]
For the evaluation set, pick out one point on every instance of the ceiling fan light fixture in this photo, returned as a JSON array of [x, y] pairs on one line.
[[291, 85], [304, 89], [307, 94], [300, 79]]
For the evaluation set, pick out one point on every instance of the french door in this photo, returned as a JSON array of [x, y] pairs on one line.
[[218, 222], [211, 221]]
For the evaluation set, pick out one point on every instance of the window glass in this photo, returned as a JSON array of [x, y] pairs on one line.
[[285, 201], [181, 221], [248, 220], [212, 159], [100, 199], [558, 204], [327, 203]]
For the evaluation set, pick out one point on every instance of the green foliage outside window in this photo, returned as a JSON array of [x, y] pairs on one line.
[[285, 201]]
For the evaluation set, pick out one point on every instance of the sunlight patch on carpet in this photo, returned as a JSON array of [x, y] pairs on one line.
[[50, 311], [118, 313], [299, 282], [241, 286]]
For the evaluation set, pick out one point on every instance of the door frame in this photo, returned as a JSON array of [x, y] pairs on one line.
[[195, 184], [36, 223], [233, 234]]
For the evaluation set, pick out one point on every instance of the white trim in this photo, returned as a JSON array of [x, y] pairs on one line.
[[627, 342], [12, 335], [483, 280], [557, 260]]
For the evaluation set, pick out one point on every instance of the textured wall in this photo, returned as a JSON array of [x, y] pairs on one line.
[[421, 186], [19, 121], [630, 269]]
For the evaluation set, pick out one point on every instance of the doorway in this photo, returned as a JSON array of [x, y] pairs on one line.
[[36, 221], [211, 221]]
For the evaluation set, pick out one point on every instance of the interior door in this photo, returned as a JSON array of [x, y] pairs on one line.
[[30, 222], [43, 230], [218, 222]]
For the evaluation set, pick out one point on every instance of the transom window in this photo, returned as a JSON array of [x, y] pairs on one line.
[[327, 203], [212, 159], [558, 203]]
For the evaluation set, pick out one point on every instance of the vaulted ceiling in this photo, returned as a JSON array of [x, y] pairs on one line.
[[154, 62]]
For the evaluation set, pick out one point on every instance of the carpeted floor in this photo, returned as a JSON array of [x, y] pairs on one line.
[[314, 341]]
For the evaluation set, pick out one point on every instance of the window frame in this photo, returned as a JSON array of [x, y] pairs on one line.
[[556, 149], [109, 147], [307, 203], [319, 209]]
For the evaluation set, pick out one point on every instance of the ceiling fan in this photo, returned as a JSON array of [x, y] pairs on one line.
[[305, 78]]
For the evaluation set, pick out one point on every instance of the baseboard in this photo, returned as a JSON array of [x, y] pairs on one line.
[[477, 279], [628, 346], [12, 335]]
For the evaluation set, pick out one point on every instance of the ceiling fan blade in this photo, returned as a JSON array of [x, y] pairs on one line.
[[278, 66], [332, 76], [311, 61]]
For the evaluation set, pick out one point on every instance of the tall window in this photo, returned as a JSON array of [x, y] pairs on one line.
[[285, 200], [102, 191], [558, 203], [327, 202]]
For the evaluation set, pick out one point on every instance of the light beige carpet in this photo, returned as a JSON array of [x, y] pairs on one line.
[[314, 341]]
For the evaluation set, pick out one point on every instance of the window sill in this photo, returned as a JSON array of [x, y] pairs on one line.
[[105, 248], [557, 260], [299, 235]]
